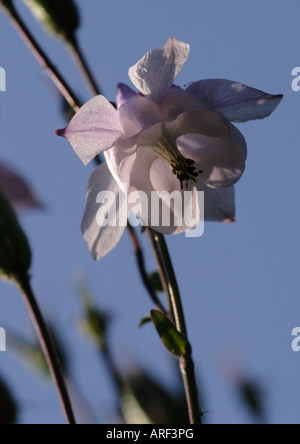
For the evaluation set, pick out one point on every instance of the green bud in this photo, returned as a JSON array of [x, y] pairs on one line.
[[8, 406], [59, 17], [95, 322], [15, 253], [95, 326]]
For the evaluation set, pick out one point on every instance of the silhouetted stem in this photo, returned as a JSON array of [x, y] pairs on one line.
[[41, 56], [171, 287], [84, 67], [23, 283]]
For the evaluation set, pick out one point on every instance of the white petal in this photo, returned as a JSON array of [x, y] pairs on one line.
[[199, 121], [155, 72], [99, 239], [119, 161], [177, 100], [221, 159], [219, 204], [137, 114], [93, 129]]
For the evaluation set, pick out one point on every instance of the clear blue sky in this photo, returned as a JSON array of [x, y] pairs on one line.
[[240, 282]]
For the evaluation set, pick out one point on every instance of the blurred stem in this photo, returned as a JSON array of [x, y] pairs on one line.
[[83, 66], [23, 282], [40, 55], [169, 280], [112, 370]]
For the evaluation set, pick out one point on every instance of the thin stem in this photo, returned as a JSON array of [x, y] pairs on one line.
[[84, 67], [142, 268], [23, 283], [161, 269], [163, 258], [42, 58]]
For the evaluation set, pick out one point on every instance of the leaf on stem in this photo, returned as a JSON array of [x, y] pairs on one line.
[[145, 321], [173, 340]]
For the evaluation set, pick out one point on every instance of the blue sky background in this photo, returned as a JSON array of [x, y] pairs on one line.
[[240, 282]]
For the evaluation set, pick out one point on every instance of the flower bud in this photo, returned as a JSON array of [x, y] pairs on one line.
[[60, 18], [15, 253]]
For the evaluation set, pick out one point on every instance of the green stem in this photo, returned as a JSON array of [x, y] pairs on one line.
[[23, 282], [187, 368]]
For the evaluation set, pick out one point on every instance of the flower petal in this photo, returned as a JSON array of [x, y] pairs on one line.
[[101, 240], [219, 204], [179, 210], [177, 101], [237, 102], [220, 159], [124, 93], [94, 129], [155, 72], [199, 121], [137, 114]]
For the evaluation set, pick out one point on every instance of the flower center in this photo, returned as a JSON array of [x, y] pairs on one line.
[[184, 169]]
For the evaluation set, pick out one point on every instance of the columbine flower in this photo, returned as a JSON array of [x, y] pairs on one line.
[[164, 138]]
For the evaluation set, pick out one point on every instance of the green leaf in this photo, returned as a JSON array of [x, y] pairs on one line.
[[172, 339], [145, 321]]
